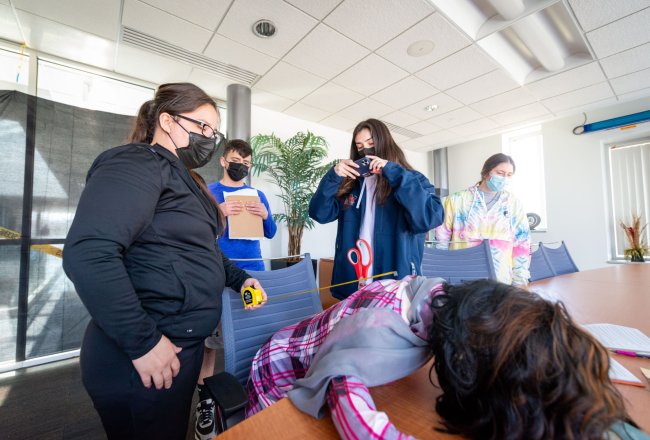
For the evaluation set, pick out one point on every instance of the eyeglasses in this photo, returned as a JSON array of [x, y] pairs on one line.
[[206, 130]]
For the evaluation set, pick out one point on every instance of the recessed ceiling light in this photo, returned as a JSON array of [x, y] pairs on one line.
[[264, 28], [420, 48], [431, 108]]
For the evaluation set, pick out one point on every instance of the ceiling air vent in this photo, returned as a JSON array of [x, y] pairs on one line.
[[401, 130], [160, 47]]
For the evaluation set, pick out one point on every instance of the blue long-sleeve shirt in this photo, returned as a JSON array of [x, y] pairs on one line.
[[235, 248]]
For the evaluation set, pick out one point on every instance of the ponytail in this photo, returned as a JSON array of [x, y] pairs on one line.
[[144, 124]]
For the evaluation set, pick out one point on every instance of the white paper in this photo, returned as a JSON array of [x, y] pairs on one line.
[[618, 337], [619, 372], [241, 192]]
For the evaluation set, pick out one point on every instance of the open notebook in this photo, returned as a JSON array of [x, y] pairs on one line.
[[618, 337]]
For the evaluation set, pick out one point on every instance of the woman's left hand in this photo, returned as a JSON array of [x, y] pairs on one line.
[[376, 164], [252, 282]]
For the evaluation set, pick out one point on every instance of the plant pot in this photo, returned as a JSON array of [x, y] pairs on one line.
[[286, 262], [637, 258]]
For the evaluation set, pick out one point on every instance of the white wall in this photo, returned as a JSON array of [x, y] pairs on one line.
[[319, 241], [575, 173]]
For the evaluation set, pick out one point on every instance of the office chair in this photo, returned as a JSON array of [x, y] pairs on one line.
[[559, 259], [245, 331], [457, 266], [540, 266]]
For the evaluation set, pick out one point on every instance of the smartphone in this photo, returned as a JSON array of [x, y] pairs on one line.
[[364, 166]]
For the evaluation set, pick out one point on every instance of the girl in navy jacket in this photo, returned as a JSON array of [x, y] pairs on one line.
[[392, 208]]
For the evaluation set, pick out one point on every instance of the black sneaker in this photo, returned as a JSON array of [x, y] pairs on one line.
[[206, 427]]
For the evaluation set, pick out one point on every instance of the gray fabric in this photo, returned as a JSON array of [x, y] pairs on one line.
[[374, 345]]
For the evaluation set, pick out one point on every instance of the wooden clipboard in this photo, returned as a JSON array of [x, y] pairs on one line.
[[245, 225]]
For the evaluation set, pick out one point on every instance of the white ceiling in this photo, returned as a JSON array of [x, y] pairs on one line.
[[340, 61]]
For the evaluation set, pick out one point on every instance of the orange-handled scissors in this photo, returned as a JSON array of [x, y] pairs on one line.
[[361, 258]]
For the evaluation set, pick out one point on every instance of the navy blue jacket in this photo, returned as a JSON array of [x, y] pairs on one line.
[[411, 210], [142, 251]]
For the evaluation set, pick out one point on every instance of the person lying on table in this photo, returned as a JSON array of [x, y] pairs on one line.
[[510, 364]]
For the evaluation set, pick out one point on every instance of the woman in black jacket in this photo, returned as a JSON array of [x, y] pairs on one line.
[[143, 256]]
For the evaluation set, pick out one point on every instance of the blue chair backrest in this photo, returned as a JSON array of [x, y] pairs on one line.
[[560, 259], [540, 266], [457, 266], [245, 331]]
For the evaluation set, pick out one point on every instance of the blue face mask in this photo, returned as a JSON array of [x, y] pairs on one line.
[[497, 183]]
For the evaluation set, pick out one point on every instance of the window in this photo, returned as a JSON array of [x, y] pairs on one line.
[[629, 173], [526, 148], [14, 70]]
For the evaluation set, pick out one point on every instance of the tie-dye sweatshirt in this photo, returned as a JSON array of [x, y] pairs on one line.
[[505, 225]]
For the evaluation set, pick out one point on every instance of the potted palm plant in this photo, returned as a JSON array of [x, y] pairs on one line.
[[296, 166]]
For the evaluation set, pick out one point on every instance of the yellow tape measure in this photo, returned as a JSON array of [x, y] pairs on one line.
[[253, 297], [45, 248]]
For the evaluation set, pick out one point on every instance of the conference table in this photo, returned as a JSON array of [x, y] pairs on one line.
[[617, 294]]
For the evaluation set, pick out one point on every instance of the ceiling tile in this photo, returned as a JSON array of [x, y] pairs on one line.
[[363, 78], [490, 84], [456, 117], [576, 98], [423, 128], [632, 82], [205, 13], [231, 52], [131, 59], [270, 101], [435, 28], [165, 26], [317, 9], [458, 68], [339, 123], [412, 144], [213, 85], [332, 98], [98, 17], [8, 26], [638, 94], [60, 40], [505, 101], [436, 139], [399, 138], [520, 114], [314, 52], [567, 81], [405, 92], [291, 24], [444, 102], [623, 34], [365, 109], [373, 23], [629, 61], [399, 118], [302, 111], [289, 81], [474, 127], [592, 16]]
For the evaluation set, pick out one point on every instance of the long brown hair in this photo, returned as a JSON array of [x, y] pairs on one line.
[[174, 98], [512, 365], [385, 148]]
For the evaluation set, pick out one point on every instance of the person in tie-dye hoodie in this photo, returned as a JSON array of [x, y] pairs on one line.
[[487, 211]]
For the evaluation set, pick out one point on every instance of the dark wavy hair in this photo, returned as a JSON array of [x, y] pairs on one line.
[[512, 365], [174, 98], [385, 147]]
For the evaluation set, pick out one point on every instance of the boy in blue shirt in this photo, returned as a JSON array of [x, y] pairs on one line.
[[236, 161]]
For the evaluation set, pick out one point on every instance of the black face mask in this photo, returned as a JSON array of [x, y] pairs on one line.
[[237, 171], [199, 149], [368, 152]]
